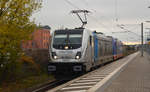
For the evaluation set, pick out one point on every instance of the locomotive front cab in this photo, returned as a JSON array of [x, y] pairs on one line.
[[66, 51]]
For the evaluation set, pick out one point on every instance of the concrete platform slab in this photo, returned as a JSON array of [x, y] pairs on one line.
[[135, 78]]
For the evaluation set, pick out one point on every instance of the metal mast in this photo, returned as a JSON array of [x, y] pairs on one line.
[[85, 12]]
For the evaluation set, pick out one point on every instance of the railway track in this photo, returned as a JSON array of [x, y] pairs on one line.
[[50, 85], [54, 83]]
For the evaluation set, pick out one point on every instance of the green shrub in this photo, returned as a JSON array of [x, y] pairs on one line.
[[17, 70]]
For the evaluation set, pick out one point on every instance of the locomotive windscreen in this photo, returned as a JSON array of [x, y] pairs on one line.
[[70, 38]]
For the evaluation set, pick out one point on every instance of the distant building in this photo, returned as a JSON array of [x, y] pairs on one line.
[[40, 39]]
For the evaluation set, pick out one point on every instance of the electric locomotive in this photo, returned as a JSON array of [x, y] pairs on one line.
[[71, 50]]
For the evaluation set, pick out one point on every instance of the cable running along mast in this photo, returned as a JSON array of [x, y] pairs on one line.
[[85, 12]]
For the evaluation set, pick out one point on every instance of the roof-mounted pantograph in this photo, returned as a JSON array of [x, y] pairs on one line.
[[85, 12]]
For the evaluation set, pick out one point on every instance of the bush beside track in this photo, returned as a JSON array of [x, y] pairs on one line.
[[29, 71]]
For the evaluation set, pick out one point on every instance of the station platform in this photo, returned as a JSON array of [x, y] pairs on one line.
[[134, 78]]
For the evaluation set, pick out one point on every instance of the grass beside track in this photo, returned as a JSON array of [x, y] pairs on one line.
[[28, 82]]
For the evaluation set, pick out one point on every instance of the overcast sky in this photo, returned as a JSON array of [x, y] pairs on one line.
[[103, 16]]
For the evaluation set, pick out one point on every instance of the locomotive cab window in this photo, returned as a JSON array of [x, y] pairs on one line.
[[60, 39], [75, 38], [70, 38]]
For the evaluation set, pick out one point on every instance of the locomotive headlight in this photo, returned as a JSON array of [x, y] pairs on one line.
[[54, 55], [66, 47], [78, 55]]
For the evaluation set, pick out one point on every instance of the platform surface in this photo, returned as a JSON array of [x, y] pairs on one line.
[[134, 78]]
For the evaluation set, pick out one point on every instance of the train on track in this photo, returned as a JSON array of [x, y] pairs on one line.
[[80, 50]]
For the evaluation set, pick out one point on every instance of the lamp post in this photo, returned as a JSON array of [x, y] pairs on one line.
[[142, 39]]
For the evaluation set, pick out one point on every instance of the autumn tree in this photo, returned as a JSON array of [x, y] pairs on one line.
[[15, 27]]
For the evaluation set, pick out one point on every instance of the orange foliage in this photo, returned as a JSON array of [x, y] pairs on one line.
[[29, 61]]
